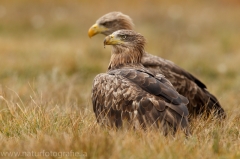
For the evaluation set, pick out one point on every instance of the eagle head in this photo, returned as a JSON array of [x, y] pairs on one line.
[[110, 23]]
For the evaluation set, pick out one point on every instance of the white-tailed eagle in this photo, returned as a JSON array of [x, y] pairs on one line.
[[129, 91]]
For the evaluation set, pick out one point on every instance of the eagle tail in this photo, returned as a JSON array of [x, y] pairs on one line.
[[214, 106]]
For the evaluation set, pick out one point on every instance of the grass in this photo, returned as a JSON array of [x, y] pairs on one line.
[[47, 64]]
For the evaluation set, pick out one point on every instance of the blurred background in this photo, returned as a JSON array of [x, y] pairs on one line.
[[45, 51]]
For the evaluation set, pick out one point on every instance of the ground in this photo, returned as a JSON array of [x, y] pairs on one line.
[[47, 65]]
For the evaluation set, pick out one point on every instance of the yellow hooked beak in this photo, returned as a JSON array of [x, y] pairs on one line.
[[96, 29], [111, 40]]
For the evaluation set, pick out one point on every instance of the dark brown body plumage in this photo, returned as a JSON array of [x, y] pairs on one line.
[[130, 92], [140, 98], [201, 101]]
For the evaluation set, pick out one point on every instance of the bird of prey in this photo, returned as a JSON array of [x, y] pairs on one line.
[[201, 101], [130, 92]]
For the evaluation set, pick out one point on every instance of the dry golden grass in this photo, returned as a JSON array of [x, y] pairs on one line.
[[47, 64]]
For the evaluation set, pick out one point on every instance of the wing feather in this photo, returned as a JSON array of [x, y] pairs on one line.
[[200, 99], [151, 84], [119, 95]]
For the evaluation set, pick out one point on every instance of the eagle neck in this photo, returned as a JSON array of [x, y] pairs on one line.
[[124, 55]]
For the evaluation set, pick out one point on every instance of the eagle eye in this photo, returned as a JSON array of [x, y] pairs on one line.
[[105, 24], [123, 37]]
